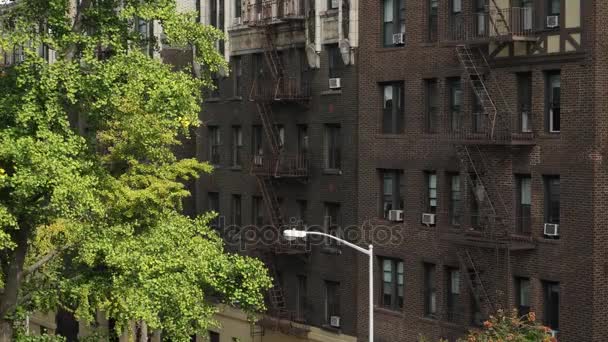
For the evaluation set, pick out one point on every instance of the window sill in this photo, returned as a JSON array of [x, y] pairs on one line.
[[331, 92], [389, 312], [329, 328], [549, 241], [390, 135], [332, 172], [329, 13], [236, 168], [428, 44], [213, 99], [429, 319], [391, 48], [235, 98]]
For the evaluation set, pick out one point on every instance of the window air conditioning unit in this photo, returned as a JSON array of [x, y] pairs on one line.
[[334, 83], [553, 333], [551, 229], [334, 321], [237, 21], [428, 219], [398, 39], [335, 3], [553, 21], [395, 215]]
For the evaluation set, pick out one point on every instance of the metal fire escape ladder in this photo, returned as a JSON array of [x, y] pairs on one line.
[[475, 73], [272, 56], [487, 208], [272, 202], [276, 295], [270, 130], [474, 280], [500, 20]]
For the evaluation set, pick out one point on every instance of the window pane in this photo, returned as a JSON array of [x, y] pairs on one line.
[[455, 282], [524, 292], [388, 10], [526, 190], [388, 96]]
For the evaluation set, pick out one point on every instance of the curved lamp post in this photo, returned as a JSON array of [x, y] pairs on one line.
[[292, 234]]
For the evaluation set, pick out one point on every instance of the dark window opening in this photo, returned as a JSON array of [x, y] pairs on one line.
[[236, 210], [392, 284], [430, 292], [237, 146], [332, 300], [552, 199], [393, 190], [393, 22], [392, 108], [455, 101], [551, 307], [524, 101], [431, 194], [524, 204], [522, 288], [553, 95], [454, 309], [433, 20], [455, 200], [333, 148], [432, 105], [214, 145]]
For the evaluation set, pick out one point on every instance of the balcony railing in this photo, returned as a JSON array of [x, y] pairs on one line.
[[283, 89], [518, 24], [283, 166], [272, 11], [477, 128]]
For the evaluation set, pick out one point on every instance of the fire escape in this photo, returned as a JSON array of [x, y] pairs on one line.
[[275, 167], [481, 143]]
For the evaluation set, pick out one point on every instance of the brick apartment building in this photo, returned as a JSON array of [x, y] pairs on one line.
[[483, 122], [280, 129]]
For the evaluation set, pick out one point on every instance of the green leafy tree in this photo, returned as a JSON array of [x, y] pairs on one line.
[[90, 186]]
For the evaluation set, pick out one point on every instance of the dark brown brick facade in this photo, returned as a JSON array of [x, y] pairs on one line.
[[576, 260]]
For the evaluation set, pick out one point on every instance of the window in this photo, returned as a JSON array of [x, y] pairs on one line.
[[302, 145], [257, 147], [392, 284], [455, 200], [213, 204], [302, 211], [392, 108], [392, 191], [237, 70], [280, 130], [257, 211], [431, 183], [433, 20], [479, 115], [524, 204], [551, 307], [258, 66], [238, 9], [393, 19], [455, 94], [332, 300], [522, 288], [552, 200], [236, 210], [332, 147], [214, 145], [332, 220], [430, 292], [524, 101], [213, 336], [477, 193], [553, 101], [554, 7], [432, 105], [302, 298], [453, 294], [146, 31], [237, 146], [334, 59], [480, 14], [215, 83], [332, 4], [456, 6]]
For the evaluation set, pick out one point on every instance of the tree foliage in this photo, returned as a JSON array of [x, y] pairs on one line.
[[90, 186]]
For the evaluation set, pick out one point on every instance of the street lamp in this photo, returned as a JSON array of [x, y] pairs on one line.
[[292, 234]]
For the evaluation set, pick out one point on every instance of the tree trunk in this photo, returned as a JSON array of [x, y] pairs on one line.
[[13, 278]]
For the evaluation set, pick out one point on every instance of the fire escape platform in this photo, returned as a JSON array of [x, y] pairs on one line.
[[473, 238], [285, 326]]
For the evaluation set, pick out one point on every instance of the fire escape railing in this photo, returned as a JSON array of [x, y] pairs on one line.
[[513, 23]]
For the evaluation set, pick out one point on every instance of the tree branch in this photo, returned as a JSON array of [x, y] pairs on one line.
[[77, 25], [41, 262]]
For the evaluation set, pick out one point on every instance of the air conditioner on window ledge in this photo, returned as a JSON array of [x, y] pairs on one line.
[[395, 215], [551, 229], [398, 39], [428, 219], [334, 321], [552, 21], [334, 83]]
